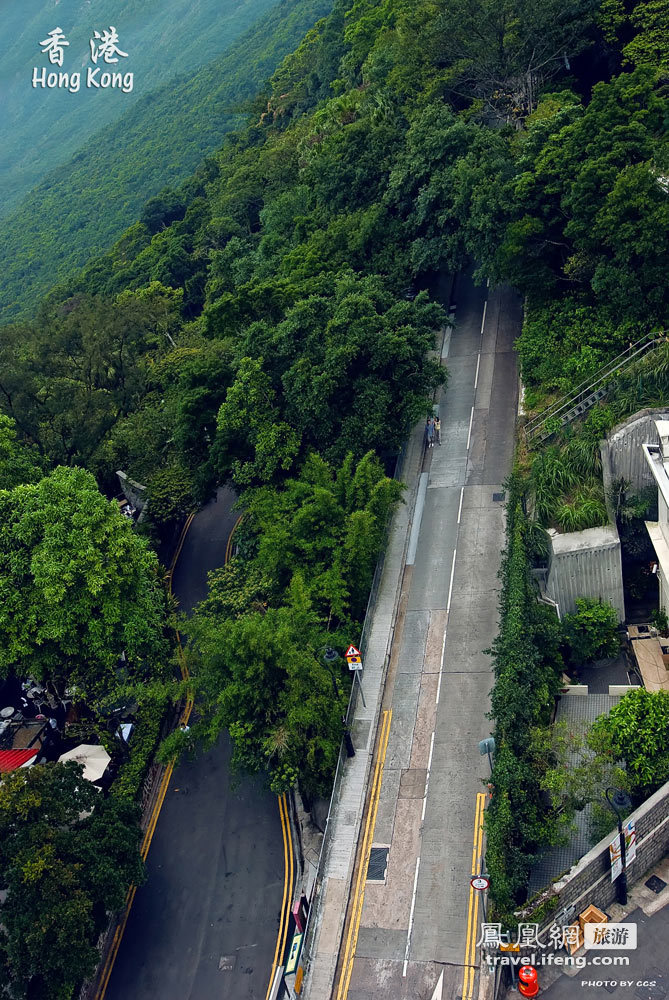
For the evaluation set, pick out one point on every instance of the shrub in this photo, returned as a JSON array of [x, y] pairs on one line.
[[528, 669], [636, 734], [170, 496], [592, 631]]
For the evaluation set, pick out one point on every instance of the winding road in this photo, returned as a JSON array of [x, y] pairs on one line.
[[204, 924]]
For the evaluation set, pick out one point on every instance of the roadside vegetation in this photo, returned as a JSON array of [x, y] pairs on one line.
[[269, 324]]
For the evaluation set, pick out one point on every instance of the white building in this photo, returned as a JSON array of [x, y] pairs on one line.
[[657, 457]]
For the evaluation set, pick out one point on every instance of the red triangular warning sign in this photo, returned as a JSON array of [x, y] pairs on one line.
[[352, 651]]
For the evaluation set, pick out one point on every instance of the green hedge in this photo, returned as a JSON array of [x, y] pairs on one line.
[[528, 669], [142, 748]]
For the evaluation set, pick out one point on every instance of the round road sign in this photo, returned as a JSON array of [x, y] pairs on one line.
[[479, 882]]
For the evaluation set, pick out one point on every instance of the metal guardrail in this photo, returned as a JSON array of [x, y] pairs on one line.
[[574, 405]]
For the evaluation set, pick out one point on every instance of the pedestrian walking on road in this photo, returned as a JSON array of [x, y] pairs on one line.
[[430, 432], [437, 430]]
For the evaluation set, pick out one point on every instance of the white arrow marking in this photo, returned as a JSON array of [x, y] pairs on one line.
[[439, 988]]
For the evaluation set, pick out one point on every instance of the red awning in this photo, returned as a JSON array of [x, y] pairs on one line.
[[10, 760]]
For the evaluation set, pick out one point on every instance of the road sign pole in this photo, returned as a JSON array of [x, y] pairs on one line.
[[362, 693]]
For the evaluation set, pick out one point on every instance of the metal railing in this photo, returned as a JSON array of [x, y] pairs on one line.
[[575, 404]]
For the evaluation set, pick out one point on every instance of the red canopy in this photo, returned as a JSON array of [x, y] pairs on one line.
[[10, 760]]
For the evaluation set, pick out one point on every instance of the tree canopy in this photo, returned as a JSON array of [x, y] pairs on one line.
[[78, 588], [67, 858]]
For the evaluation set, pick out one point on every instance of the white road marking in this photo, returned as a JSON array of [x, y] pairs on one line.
[[485, 308], [476, 377], [441, 664], [413, 904], [462, 493], [427, 780], [469, 433], [450, 586], [487, 284]]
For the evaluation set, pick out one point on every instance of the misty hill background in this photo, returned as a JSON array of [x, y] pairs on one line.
[[80, 207], [40, 129]]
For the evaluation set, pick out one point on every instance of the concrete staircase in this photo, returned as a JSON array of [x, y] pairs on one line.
[[574, 405]]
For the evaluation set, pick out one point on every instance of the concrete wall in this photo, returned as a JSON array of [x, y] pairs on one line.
[[132, 491], [625, 453], [586, 564], [589, 880]]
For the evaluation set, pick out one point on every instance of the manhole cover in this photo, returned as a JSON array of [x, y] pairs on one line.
[[656, 883], [498, 496], [378, 864], [609, 987]]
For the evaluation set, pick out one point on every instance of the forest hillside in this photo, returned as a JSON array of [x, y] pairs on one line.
[[53, 122], [83, 204], [269, 323]]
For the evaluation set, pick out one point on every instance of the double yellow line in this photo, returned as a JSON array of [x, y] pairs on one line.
[[368, 838], [287, 888], [473, 913]]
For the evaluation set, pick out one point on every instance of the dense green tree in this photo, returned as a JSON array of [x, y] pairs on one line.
[[504, 51], [249, 427], [635, 736], [67, 378], [19, 463], [592, 631], [170, 496], [307, 555], [78, 588], [67, 858], [261, 677]]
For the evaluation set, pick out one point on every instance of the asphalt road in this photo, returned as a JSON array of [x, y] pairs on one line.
[[204, 924], [421, 922]]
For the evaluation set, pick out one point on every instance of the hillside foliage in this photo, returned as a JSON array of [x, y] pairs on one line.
[[157, 49], [270, 323], [85, 200]]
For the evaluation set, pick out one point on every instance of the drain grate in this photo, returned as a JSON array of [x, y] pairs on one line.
[[378, 864], [497, 497], [609, 986], [656, 883]]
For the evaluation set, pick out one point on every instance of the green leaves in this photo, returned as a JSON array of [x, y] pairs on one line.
[[308, 551], [636, 734], [78, 588], [67, 858], [528, 668], [592, 631]]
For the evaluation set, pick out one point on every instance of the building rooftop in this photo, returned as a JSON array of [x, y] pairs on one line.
[[10, 760], [657, 457], [651, 658], [590, 538]]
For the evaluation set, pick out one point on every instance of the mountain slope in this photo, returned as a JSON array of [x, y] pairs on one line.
[[55, 122], [81, 207]]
